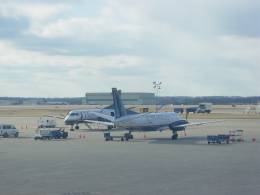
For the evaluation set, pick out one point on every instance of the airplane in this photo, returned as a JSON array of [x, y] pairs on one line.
[[155, 121], [75, 117]]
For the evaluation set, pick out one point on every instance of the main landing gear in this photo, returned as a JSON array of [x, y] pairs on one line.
[[174, 135], [129, 135]]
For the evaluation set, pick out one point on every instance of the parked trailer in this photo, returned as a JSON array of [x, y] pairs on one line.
[[218, 139], [201, 108], [192, 109], [236, 135], [125, 137]]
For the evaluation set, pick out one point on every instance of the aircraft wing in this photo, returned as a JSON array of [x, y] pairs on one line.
[[100, 122], [198, 123], [103, 116]]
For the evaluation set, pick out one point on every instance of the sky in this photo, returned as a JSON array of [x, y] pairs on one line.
[[65, 48]]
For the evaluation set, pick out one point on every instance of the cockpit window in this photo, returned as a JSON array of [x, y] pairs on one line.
[[74, 114]]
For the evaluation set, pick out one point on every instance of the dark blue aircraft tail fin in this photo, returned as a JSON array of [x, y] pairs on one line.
[[118, 104]]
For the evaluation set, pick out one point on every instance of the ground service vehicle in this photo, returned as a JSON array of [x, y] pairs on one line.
[[51, 134], [202, 108], [205, 108], [46, 122], [178, 110], [192, 109], [125, 137], [7, 130]]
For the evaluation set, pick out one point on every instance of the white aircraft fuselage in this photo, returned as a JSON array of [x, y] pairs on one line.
[[79, 116], [150, 121]]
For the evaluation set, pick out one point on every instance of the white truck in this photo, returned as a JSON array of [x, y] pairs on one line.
[[8, 130], [205, 108], [46, 122]]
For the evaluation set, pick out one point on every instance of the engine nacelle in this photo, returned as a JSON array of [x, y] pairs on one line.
[[174, 126]]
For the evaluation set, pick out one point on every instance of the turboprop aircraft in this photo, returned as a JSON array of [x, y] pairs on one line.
[[75, 117], [155, 121]]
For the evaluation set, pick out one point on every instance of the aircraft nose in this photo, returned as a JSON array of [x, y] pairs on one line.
[[67, 120]]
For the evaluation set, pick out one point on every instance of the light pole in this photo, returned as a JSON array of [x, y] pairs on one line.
[[157, 87]]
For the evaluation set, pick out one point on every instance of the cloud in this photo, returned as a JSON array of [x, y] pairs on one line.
[[10, 27], [26, 71], [194, 47], [35, 11]]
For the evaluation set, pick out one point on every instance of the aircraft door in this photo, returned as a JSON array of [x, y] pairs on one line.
[[81, 116], [149, 119]]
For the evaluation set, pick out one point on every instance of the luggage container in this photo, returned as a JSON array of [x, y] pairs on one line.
[[218, 139], [236, 135], [125, 137]]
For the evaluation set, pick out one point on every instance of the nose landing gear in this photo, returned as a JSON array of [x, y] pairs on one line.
[[71, 128], [76, 127]]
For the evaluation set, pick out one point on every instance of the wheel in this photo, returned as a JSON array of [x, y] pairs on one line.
[[174, 136], [5, 135], [16, 134], [122, 139], [65, 135], [208, 142], [77, 127]]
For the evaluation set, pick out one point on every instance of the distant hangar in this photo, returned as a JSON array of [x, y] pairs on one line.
[[130, 98]]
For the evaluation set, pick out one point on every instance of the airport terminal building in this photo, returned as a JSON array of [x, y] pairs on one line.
[[128, 98]]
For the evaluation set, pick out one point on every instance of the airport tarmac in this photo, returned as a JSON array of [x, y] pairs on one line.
[[149, 164]]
